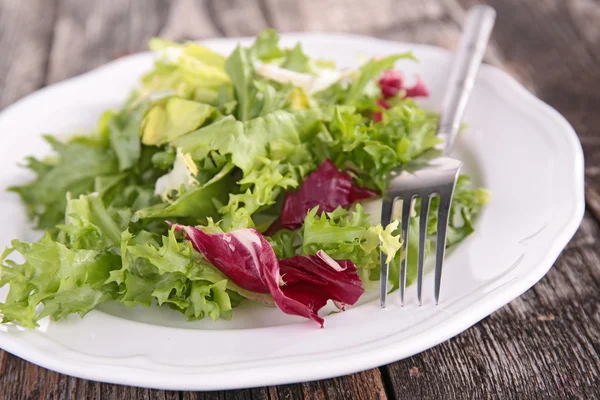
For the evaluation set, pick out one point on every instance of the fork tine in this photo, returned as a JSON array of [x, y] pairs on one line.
[[387, 208], [442, 225], [422, 236], [406, 203]]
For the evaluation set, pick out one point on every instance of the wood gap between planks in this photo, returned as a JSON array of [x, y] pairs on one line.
[[388, 385]]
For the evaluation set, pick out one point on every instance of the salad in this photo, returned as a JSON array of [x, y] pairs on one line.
[[228, 179]]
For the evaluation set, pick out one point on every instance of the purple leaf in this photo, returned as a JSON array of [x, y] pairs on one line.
[[327, 188], [247, 258]]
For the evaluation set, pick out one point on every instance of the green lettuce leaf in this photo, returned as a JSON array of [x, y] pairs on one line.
[[88, 224], [220, 136], [198, 203], [187, 70], [343, 235], [207, 299], [240, 69], [286, 243], [279, 136], [173, 118], [296, 60], [372, 150], [467, 203], [124, 135], [64, 281], [266, 46], [73, 170], [273, 98], [260, 188]]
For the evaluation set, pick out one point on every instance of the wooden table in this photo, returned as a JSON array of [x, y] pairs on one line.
[[545, 344]]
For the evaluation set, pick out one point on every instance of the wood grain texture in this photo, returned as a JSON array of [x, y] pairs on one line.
[[89, 34], [26, 30], [545, 344], [432, 22], [237, 17], [187, 20]]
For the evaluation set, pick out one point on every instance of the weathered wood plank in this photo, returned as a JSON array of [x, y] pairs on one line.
[[367, 385], [25, 36], [350, 16], [89, 34], [127, 392], [434, 22], [188, 20], [237, 17], [592, 195]]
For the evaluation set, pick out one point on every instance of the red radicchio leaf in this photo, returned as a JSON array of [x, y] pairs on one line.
[[240, 255], [383, 104], [391, 83], [418, 90], [312, 281], [377, 116], [358, 193], [245, 257], [327, 188]]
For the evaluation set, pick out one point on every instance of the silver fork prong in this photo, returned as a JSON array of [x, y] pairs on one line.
[[387, 207], [406, 205], [442, 225], [422, 236]]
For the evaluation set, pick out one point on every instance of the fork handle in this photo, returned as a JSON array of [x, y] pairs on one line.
[[476, 33]]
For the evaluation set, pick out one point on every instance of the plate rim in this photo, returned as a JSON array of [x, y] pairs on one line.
[[383, 354]]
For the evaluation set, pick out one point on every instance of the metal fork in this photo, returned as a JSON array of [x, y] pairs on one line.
[[438, 176]]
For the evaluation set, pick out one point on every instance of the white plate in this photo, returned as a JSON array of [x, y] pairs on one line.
[[517, 146]]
